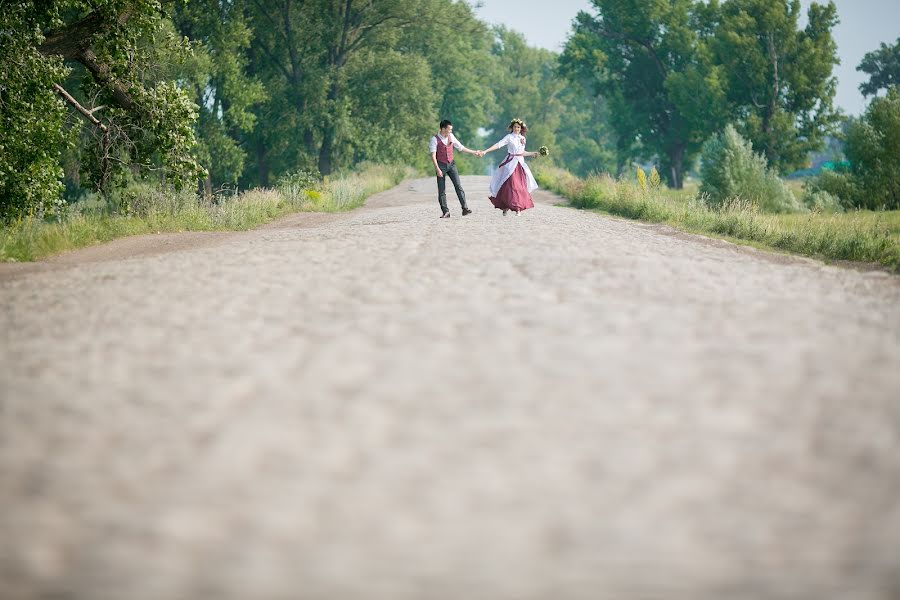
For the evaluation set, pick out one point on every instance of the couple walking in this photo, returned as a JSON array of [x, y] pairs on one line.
[[512, 182]]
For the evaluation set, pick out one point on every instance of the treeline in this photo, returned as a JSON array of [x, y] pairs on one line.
[[94, 94]]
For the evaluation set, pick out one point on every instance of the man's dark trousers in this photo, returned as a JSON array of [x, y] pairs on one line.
[[449, 170]]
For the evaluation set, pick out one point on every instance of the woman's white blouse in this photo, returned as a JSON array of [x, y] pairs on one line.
[[515, 144]]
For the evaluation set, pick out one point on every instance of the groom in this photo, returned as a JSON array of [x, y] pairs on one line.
[[441, 148]]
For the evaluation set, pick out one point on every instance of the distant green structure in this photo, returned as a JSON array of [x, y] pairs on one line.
[[835, 165]]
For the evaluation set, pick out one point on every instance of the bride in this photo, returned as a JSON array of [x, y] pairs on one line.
[[512, 183]]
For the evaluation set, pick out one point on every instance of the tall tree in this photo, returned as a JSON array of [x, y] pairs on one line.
[[651, 60], [457, 47], [31, 115], [883, 68], [873, 145], [141, 121], [221, 87], [526, 87], [306, 48], [780, 82]]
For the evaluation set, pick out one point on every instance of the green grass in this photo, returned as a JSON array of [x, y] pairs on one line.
[[154, 210], [860, 236]]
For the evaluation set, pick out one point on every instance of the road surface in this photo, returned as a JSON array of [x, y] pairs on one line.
[[387, 405]]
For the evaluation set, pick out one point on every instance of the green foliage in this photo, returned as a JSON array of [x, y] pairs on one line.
[[822, 201], [160, 208], [32, 133], [560, 114], [650, 60], [872, 237], [873, 149], [296, 186], [883, 68], [392, 107], [780, 86], [731, 169], [838, 185], [146, 121], [221, 87]]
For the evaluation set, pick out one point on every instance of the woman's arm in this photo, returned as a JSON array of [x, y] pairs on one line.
[[459, 146], [499, 144]]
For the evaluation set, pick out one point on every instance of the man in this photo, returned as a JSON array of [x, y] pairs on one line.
[[441, 148]]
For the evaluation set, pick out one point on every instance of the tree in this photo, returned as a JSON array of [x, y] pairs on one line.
[[525, 86], [146, 121], [873, 145], [304, 51], [780, 83], [883, 68], [585, 139], [461, 70], [650, 60], [222, 89], [731, 169], [392, 113], [31, 117]]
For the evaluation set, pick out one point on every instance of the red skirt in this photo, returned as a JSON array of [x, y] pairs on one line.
[[513, 194]]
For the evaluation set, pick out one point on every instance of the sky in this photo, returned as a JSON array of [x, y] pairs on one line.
[[864, 25]]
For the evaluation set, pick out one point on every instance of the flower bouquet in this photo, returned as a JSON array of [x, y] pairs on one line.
[[543, 151]]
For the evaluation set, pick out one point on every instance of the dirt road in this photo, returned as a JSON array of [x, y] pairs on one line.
[[386, 405]]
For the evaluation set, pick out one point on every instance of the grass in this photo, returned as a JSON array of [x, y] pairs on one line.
[[860, 236], [151, 210]]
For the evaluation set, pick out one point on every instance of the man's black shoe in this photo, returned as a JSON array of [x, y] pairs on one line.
[[446, 215], [466, 211]]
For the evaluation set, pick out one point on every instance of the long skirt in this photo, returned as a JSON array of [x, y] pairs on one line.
[[513, 194]]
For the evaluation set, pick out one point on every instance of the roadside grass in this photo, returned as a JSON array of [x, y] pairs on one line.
[[859, 236], [148, 209]]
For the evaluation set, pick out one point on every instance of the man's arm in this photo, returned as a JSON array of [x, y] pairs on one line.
[[458, 145], [432, 148], [437, 169]]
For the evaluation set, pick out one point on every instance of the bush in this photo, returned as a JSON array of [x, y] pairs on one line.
[[730, 169], [873, 149], [297, 185], [822, 201], [838, 185]]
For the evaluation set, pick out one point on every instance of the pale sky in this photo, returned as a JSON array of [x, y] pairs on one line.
[[864, 25]]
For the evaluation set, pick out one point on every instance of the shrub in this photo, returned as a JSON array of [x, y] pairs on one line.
[[873, 149], [841, 186], [295, 186], [822, 201], [730, 169]]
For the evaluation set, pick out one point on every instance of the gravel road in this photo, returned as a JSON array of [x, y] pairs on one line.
[[387, 405]]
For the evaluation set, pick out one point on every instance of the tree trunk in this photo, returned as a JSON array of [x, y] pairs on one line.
[[262, 162], [326, 151], [772, 106], [676, 166], [325, 158]]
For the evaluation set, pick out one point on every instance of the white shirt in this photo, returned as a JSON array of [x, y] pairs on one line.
[[432, 145], [515, 144]]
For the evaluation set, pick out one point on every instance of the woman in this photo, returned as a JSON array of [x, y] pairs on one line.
[[512, 183]]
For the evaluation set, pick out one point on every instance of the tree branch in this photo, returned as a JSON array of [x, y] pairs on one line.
[[70, 41], [103, 74], [88, 114], [614, 35]]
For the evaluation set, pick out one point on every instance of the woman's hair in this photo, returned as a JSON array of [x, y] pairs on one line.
[[521, 124]]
